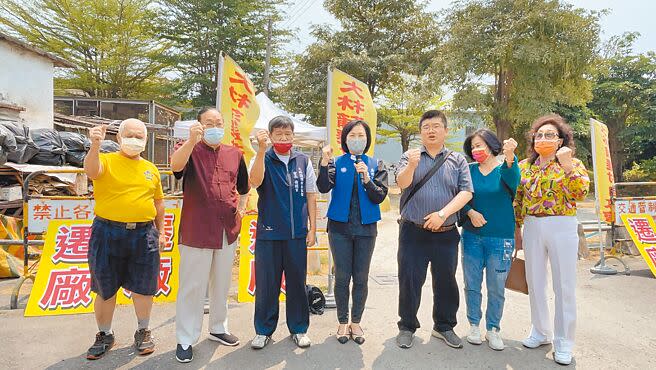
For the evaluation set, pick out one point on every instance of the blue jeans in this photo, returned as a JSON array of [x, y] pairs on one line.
[[494, 255], [352, 256]]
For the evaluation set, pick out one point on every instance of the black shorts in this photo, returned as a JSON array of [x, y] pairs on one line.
[[119, 257]]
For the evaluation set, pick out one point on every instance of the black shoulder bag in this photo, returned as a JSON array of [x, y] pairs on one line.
[[424, 180]]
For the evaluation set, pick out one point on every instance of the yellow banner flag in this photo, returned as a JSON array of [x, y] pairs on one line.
[[236, 101], [348, 99], [246, 290], [603, 170]]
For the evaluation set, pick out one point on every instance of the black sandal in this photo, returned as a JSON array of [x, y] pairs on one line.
[[343, 338], [357, 338]]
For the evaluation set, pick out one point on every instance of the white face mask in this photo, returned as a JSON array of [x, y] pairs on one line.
[[133, 146]]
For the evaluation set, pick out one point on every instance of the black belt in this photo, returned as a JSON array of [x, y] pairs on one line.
[[126, 225], [441, 229]]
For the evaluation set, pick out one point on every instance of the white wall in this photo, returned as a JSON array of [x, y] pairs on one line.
[[26, 79]]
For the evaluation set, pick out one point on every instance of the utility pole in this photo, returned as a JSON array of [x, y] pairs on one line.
[[267, 60]]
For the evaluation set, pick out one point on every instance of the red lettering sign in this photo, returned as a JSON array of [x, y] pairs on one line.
[[344, 102], [61, 213], [252, 232], [82, 212], [72, 244], [67, 289], [651, 252], [643, 230], [169, 220], [163, 285], [42, 212], [351, 86], [241, 79]]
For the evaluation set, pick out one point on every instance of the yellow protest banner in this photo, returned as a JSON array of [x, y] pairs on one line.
[[642, 229], [63, 282], [348, 99], [246, 291], [236, 101], [603, 170]]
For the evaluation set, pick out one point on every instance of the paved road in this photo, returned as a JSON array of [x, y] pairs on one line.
[[615, 331]]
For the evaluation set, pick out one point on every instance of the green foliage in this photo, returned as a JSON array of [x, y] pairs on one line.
[[642, 171], [200, 30], [625, 100], [538, 53], [378, 42], [113, 42], [403, 104]]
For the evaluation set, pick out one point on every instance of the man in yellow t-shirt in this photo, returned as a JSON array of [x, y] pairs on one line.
[[125, 241]]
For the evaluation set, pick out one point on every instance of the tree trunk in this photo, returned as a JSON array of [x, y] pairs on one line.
[[501, 99], [503, 127], [616, 148], [405, 141]]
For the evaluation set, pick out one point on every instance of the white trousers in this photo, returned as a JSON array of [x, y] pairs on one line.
[[555, 239], [198, 266]]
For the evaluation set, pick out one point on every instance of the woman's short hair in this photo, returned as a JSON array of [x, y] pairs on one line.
[[565, 132], [490, 139], [349, 126]]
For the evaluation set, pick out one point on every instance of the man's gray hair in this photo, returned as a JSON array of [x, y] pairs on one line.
[[125, 122]]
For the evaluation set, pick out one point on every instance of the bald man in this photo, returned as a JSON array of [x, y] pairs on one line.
[[127, 232]]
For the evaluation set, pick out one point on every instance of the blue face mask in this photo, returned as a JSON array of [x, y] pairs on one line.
[[356, 146], [213, 135]]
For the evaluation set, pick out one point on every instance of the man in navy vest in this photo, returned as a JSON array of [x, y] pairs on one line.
[[286, 186]]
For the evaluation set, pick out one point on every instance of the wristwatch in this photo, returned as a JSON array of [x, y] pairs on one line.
[[441, 214]]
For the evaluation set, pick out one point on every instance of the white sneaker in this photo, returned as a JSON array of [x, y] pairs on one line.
[[474, 336], [532, 342], [563, 358], [494, 340], [302, 340], [260, 341]]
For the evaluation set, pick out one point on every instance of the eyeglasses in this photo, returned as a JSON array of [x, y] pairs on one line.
[[428, 128], [546, 135]]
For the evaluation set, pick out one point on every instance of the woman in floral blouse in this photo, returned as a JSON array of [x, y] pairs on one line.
[[551, 184]]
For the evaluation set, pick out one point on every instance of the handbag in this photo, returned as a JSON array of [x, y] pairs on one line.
[[516, 280]]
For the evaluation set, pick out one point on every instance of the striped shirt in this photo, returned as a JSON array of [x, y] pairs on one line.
[[452, 178]]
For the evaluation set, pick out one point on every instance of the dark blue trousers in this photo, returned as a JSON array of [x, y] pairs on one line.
[[272, 258]]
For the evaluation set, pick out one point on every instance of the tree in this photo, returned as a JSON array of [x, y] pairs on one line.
[[113, 42], [404, 103], [625, 100], [200, 30], [377, 42], [537, 52]]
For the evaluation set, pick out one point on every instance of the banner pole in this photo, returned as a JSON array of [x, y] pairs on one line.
[[330, 294], [600, 268], [219, 81]]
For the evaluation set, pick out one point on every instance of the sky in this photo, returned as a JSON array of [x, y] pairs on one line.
[[623, 16]]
